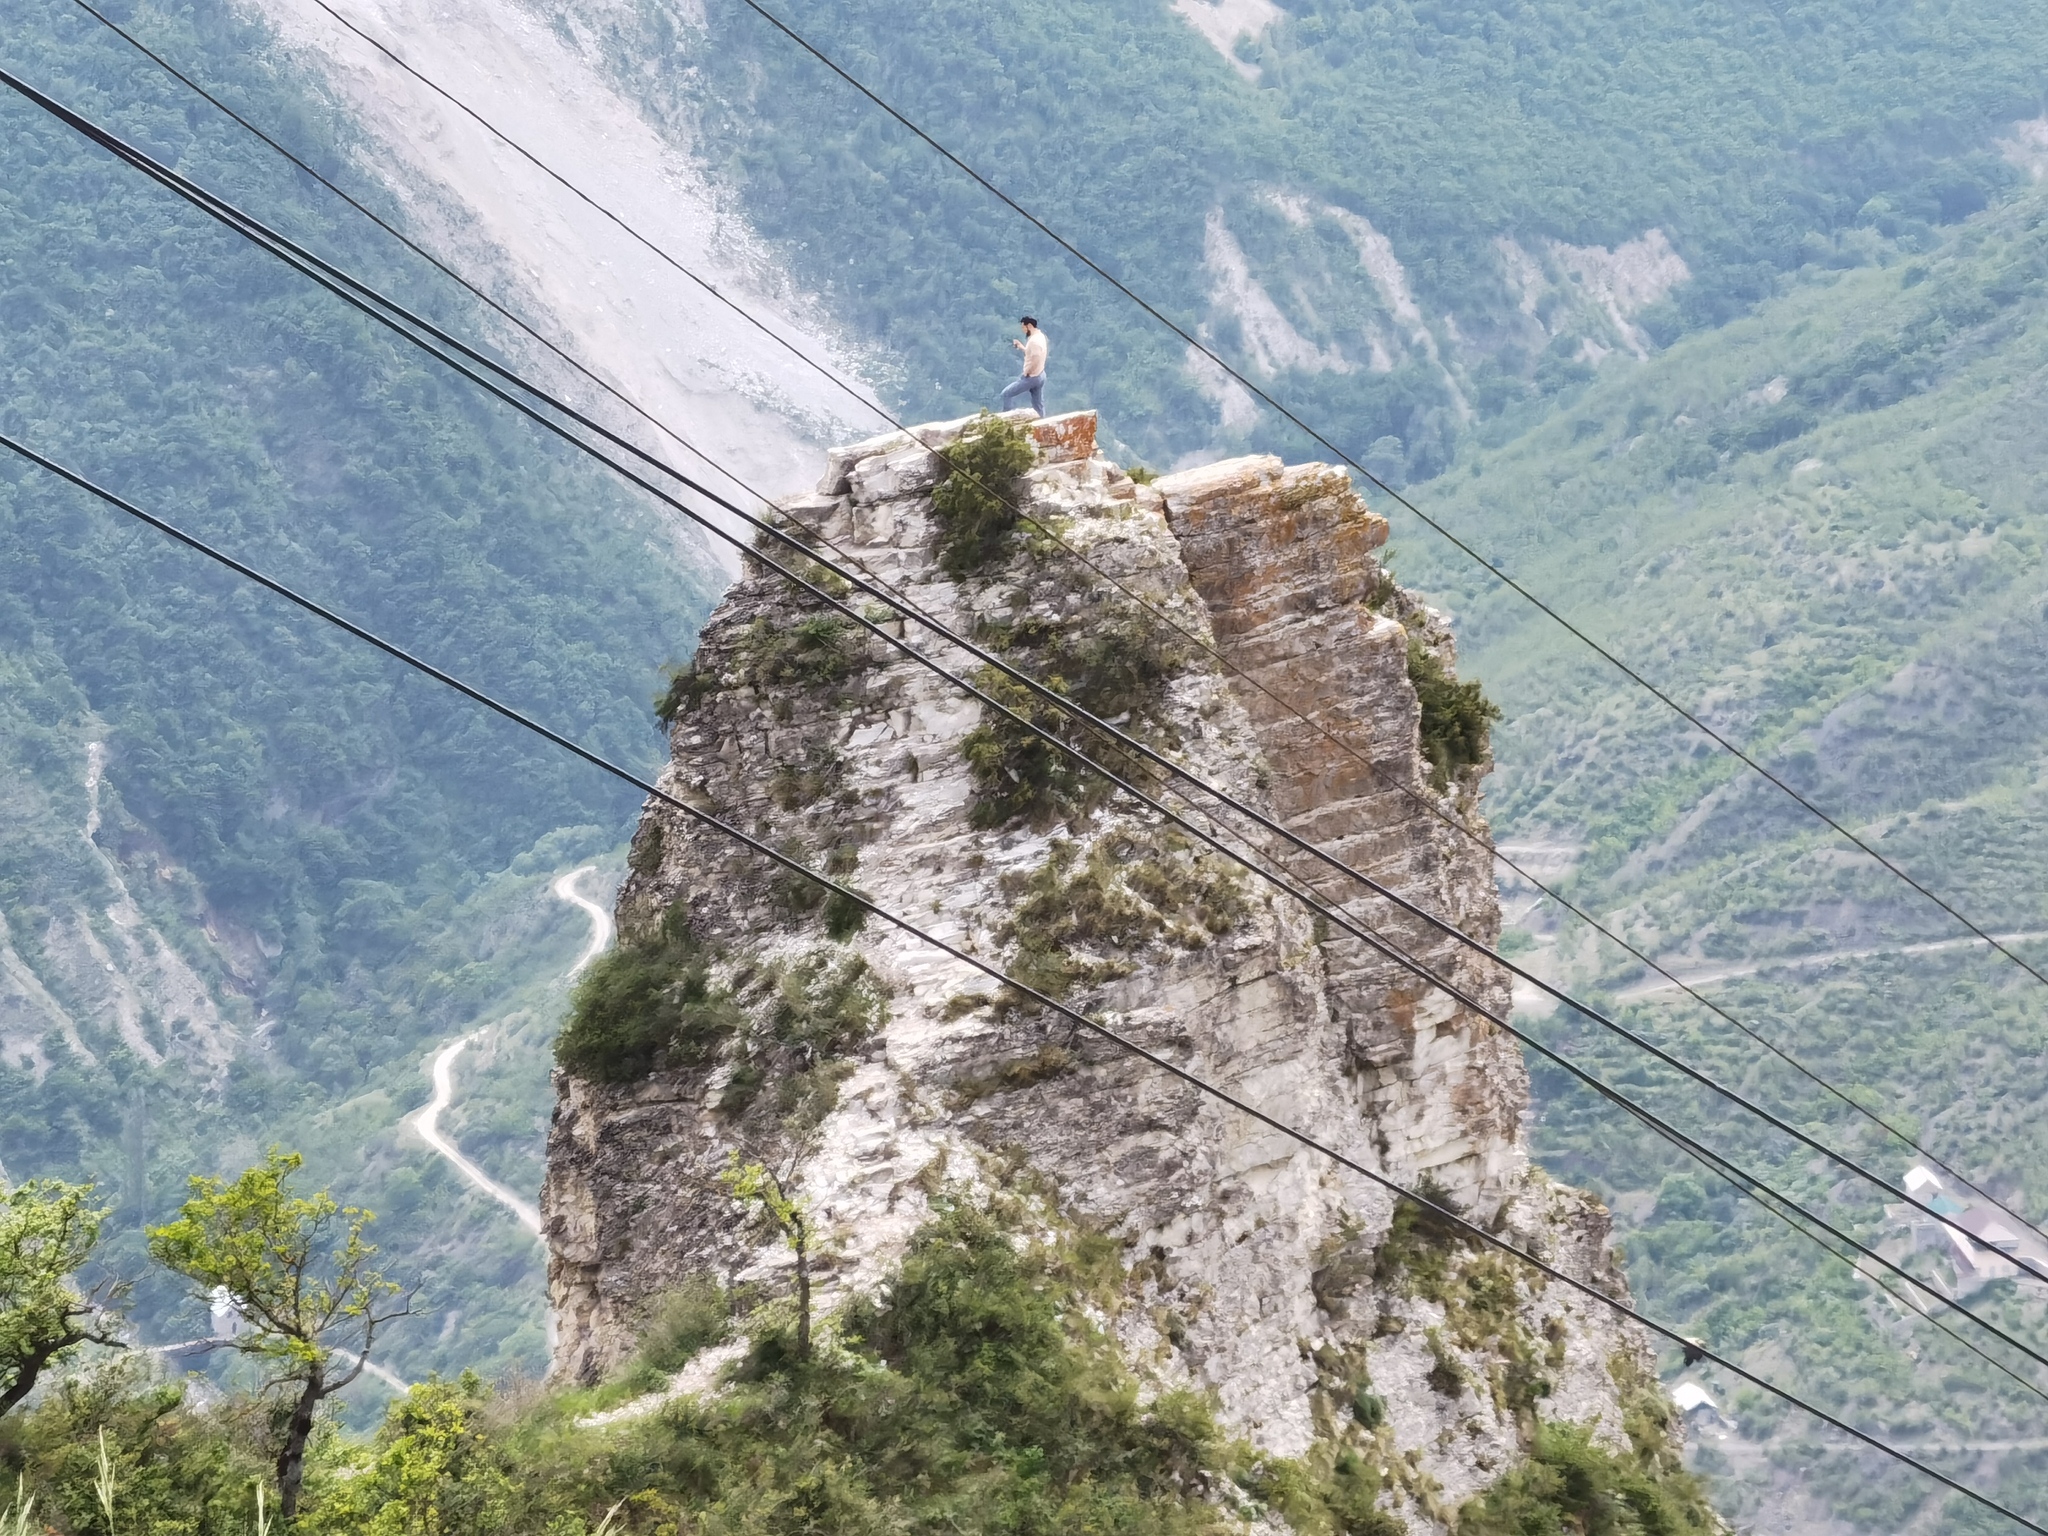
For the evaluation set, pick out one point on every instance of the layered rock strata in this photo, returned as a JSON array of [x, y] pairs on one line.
[[872, 1070]]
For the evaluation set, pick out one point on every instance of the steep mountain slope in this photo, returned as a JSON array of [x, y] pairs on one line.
[[251, 874], [1822, 526], [708, 335], [1406, 216]]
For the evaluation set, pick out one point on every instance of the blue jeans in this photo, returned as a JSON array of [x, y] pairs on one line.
[[1032, 384]]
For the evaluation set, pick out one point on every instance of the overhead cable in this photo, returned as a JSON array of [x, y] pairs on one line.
[[396, 318], [1426, 802], [1604, 653], [503, 312], [1473, 1231]]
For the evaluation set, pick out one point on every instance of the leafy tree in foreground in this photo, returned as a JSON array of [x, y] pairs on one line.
[[436, 1471], [300, 1275], [48, 1229], [766, 1193]]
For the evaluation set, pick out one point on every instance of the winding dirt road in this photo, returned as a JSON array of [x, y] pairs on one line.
[[427, 1121], [600, 919], [1701, 977]]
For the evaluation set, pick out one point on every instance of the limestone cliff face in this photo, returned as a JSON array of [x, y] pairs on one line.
[[877, 1069]]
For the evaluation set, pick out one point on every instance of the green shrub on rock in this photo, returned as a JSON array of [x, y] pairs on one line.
[[808, 1016], [819, 650], [975, 505], [1116, 667], [644, 1006], [1455, 717], [1572, 1484], [1081, 918]]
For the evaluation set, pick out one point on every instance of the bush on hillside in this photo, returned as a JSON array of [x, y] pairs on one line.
[[1455, 717], [976, 503], [1572, 1484], [975, 1393], [645, 1006]]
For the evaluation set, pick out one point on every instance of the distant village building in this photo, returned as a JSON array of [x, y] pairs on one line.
[[1979, 1241], [1696, 1403], [225, 1316]]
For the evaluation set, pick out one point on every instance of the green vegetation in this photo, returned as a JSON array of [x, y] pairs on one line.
[[974, 1395], [761, 1190], [1425, 1255], [302, 1282], [433, 1471], [645, 1006], [1018, 774], [1821, 522], [354, 864], [817, 651], [695, 1316], [804, 1018], [976, 504], [980, 1390], [178, 1463], [814, 652], [48, 1230], [1570, 1483], [1417, 1251], [1082, 918], [1114, 664], [1042, 1065], [1455, 717]]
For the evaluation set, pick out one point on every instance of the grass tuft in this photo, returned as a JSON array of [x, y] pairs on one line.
[[1080, 919]]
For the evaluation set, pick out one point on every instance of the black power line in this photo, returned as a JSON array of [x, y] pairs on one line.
[[1472, 1230], [1154, 612], [501, 310], [1541, 606], [382, 309]]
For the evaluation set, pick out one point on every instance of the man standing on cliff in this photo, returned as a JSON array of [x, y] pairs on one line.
[[1032, 380]]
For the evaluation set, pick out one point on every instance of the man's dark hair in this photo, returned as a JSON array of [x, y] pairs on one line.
[[1029, 320]]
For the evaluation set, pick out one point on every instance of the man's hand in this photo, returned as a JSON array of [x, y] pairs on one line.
[[1017, 344]]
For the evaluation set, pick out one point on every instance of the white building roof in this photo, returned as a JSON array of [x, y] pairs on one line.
[[1920, 1179], [1688, 1395]]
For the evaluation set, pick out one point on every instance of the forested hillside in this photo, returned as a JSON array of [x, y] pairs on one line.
[[1405, 217], [1722, 327], [1823, 526], [345, 865]]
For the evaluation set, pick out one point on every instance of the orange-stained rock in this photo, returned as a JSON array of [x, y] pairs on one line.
[[1318, 634], [1065, 439]]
